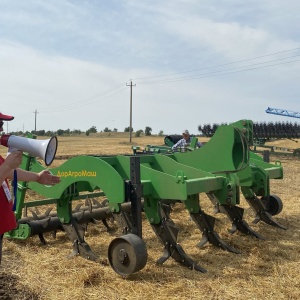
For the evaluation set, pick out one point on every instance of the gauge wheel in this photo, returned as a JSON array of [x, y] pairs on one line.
[[274, 205], [127, 254]]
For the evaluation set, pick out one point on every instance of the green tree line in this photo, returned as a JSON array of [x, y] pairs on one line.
[[60, 132]]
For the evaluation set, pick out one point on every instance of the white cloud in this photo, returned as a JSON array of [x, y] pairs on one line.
[[61, 56]]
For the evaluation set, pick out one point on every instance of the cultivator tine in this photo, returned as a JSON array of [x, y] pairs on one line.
[[104, 221], [75, 233], [261, 213], [88, 203], [90, 206], [34, 215], [25, 211], [45, 222], [108, 228], [123, 220], [37, 210], [47, 212], [78, 206], [167, 233], [97, 203], [104, 203], [206, 224], [79, 215], [42, 239], [235, 214]]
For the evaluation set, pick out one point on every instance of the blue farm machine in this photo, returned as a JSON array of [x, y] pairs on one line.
[[150, 182]]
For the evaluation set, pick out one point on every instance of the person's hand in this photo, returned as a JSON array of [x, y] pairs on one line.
[[13, 160], [45, 177]]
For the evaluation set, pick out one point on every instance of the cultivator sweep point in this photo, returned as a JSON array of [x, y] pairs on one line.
[[235, 215], [76, 232], [167, 232], [151, 184], [206, 223], [262, 213]]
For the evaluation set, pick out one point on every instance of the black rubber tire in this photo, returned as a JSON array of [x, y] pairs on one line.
[[127, 254], [274, 205]]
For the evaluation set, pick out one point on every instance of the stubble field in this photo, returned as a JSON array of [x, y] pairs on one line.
[[265, 269]]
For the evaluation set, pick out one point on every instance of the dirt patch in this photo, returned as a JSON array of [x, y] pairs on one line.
[[10, 291]]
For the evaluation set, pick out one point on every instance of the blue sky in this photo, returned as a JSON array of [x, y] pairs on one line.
[[192, 62]]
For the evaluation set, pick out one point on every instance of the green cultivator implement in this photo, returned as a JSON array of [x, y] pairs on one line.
[[267, 132], [151, 183]]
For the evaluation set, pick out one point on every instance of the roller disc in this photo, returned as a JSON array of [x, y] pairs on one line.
[[127, 254]]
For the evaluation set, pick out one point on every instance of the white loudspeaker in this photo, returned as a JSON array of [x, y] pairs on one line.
[[44, 149]]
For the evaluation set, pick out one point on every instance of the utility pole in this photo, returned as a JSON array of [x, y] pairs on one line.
[[130, 126], [35, 113]]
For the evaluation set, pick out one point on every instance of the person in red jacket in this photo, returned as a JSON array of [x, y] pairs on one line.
[[7, 167]]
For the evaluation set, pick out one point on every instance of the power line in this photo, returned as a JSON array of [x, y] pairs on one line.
[[221, 65], [221, 72], [119, 88], [84, 102], [88, 100]]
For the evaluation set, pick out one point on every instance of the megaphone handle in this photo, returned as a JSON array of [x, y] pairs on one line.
[[15, 185]]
